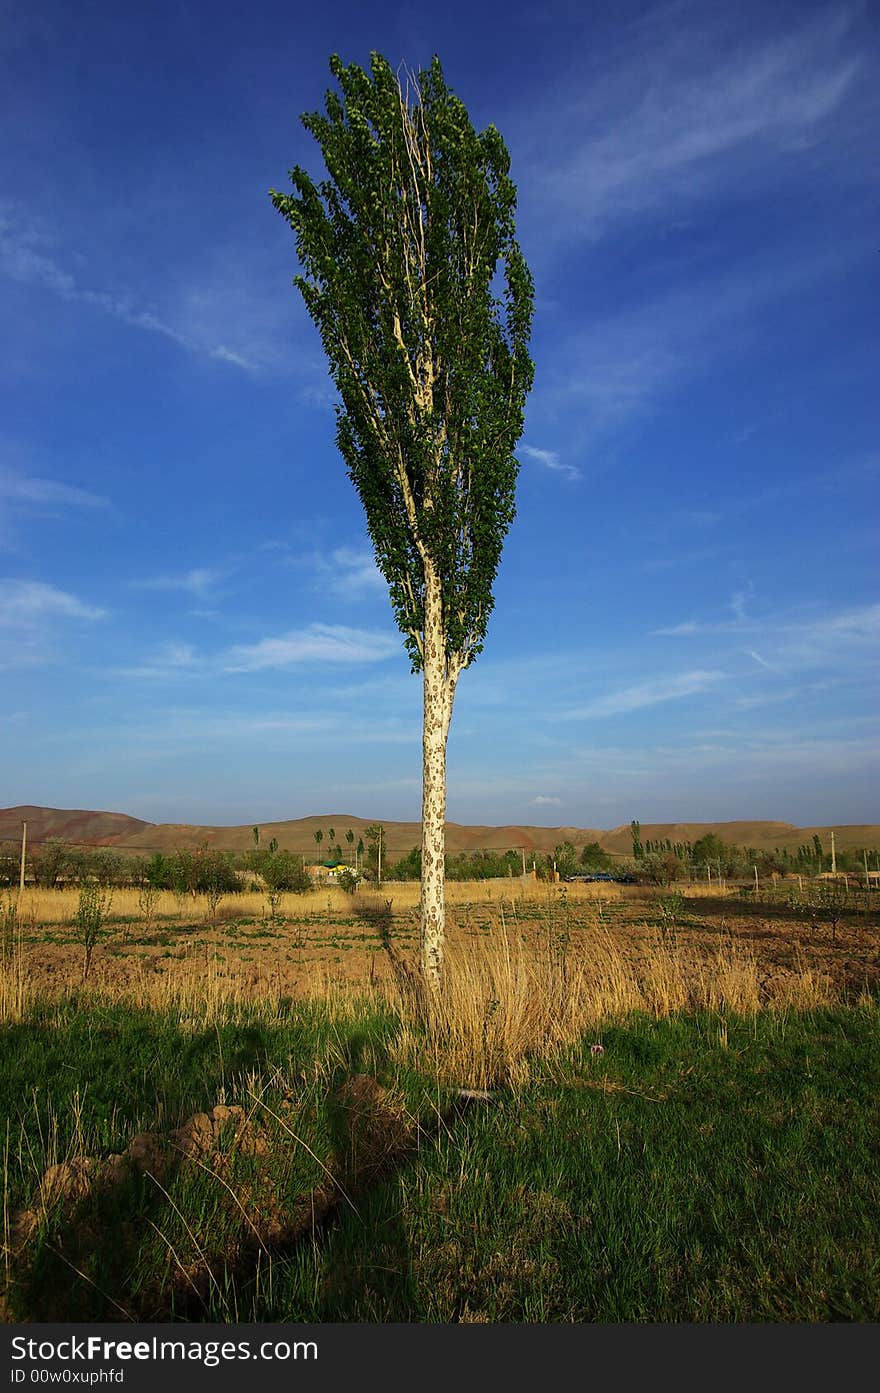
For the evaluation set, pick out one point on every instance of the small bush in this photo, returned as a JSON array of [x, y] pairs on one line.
[[92, 910], [281, 870]]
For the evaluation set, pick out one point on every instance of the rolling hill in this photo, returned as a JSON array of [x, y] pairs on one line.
[[84, 828]]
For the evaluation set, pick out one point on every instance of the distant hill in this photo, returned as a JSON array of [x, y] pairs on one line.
[[71, 824], [298, 834]]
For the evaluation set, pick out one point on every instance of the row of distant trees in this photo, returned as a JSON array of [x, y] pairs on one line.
[[661, 861], [206, 870]]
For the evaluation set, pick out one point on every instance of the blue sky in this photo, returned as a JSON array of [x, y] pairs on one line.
[[688, 608]]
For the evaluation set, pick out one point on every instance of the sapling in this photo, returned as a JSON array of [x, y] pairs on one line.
[[92, 910]]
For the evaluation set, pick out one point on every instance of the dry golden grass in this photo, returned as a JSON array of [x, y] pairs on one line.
[[59, 906], [515, 989], [509, 999]]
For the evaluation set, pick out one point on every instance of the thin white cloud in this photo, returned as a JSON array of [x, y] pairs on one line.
[[690, 627], [319, 643], [351, 571], [762, 662], [649, 693], [809, 635], [345, 571], [26, 257], [17, 488], [690, 99], [200, 582], [545, 801], [31, 614], [740, 599], [618, 371], [550, 460], [27, 603], [171, 661]]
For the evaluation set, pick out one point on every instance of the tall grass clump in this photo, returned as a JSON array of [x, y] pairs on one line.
[[510, 999], [13, 988]]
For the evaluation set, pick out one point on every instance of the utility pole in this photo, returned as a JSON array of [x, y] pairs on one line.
[[833, 855], [523, 850], [23, 849], [867, 877], [379, 866]]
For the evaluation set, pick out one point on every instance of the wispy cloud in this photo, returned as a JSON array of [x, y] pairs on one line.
[[319, 643], [26, 603], [620, 370], [692, 97], [198, 582], [550, 460], [808, 634], [762, 662], [172, 660], [545, 801], [17, 488], [740, 599], [659, 689], [350, 571], [31, 615], [26, 256]]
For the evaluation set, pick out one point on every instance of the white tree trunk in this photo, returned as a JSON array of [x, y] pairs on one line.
[[439, 691]]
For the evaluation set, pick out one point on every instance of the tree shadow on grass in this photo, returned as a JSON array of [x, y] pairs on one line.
[[186, 1224], [77, 1211]]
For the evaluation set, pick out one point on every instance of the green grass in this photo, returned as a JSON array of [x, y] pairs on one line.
[[702, 1169], [699, 1170]]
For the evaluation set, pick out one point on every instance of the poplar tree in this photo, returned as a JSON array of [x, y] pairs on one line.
[[412, 273]]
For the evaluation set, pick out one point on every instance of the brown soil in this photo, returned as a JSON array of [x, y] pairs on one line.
[[298, 958]]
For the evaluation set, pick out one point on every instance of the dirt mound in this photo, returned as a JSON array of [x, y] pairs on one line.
[[68, 1183], [370, 1134]]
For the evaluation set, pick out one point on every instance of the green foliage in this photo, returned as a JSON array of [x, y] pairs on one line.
[[201, 872], [709, 850], [88, 921], [594, 858], [409, 867], [108, 867], [281, 870], [636, 831], [157, 872], [659, 868], [400, 248], [51, 862], [375, 835], [10, 864], [565, 857]]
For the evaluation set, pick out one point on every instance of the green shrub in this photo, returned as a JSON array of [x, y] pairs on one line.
[[92, 910]]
